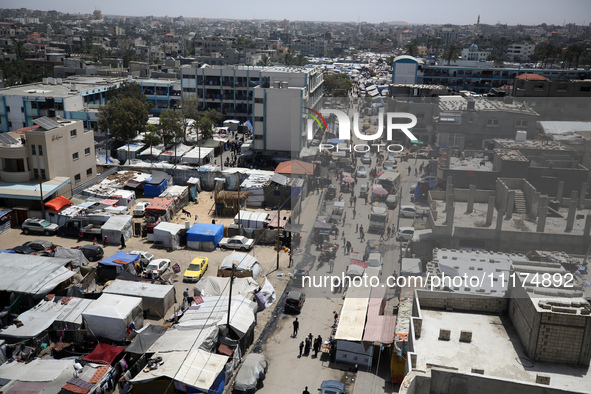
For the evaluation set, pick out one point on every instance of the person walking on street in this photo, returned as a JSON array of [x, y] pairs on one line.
[[408, 170], [356, 228], [393, 229], [186, 296], [354, 213], [301, 348], [416, 172], [343, 235], [105, 241], [361, 234], [296, 326], [306, 391], [388, 232], [344, 217], [330, 265], [348, 247], [122, 240], [366, 200]]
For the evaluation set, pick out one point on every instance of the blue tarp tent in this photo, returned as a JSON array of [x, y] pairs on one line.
[[204, 236], [108, 269], [155, 185]]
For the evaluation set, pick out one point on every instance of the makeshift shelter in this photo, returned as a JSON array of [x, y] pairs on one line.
[[245, 265], [204, 236], [57, 204], [5, 220], [109, 268], [253, 185], [252, 219], [110, 316], [170, 235], [194, 185], [33, 275], [295, 167], [104, 354], [179, 194], [156, 299], [160, 209], [252, 371], [177, 339], [155, 185], [75, 255], [228, 203], [125, 198], [215, 286], [117, 226], [146, 337], [198, 156]]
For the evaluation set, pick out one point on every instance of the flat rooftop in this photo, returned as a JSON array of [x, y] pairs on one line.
[[30, 190], [64, 89], [495, 347], [460, 103], [474, 164], [510, 155], [532, 144]]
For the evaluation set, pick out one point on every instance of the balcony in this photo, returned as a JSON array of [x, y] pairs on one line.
[[15, 177]]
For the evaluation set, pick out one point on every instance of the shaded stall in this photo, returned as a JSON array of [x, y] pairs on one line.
[[228, 203], [116, 227], [170, 235]]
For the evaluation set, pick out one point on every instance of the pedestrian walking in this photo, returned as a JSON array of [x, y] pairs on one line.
[[301, 348], [366, 199], [330, 265], [354, 200], [344, 217], [356, 228], [105, 241], [361, 234], [416, 172], [393, 229], [348, 247], [408, 170], [336, 318], [389, 231], [80, 236], [354, 213], [94, 241], [307, 346], [296, 326], [122, 240], [306, 391], [186, 296]]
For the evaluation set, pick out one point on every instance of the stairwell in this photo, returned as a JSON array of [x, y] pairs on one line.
[[519, 206]]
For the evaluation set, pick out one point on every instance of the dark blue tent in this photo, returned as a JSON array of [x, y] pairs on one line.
[[155, 185], [205, 232], [108, 269]]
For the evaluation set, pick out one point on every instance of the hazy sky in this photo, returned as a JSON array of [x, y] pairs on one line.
[[422, 11]]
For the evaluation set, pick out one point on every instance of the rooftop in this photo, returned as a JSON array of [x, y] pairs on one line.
[[470, 163], [510, 155], [495, 347], [460, 103], [531, 144]]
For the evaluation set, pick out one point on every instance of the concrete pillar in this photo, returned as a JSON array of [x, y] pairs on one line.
[[471, 196], [534, 206], [510, 204], [499, 225], [560, 191], [542, 212], [449, 219], [587, 231], [583, 194], [572, 211], [490, 211]]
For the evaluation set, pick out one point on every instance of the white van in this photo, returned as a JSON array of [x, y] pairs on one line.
[[374, 260]]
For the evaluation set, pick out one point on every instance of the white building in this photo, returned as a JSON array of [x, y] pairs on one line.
[[520, 51]]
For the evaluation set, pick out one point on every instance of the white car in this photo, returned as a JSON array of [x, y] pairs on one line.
[[366, 159], [145, 257], [408, 211], [140, 208], [405, 234], [157, 267], [237, 242], [361, 172]]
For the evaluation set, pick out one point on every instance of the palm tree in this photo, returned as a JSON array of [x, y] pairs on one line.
[[412, 48], [576, 51], [265, 61], [152, 137], [451, 52]]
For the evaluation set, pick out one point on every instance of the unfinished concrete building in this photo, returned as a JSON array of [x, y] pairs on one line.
[[513, 217]]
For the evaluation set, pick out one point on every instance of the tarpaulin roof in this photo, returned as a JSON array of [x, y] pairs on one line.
[[353, 314], [103, 354], [58, 203], [206, 232], [176, 339], [379, 327], [76, 255], [243, 262], [145, 338], [121, 255], [109, 201], [217, 286], [253, 367], [38, 370], [159, 204], [295, 167], [156, 178]]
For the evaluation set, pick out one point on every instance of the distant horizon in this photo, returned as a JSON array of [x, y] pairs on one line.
[[455, 12]]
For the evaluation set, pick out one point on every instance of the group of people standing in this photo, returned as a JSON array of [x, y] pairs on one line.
[[310, 344]]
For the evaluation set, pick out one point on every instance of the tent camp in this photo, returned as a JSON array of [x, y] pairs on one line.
[[156, 299], [215, 286], [155, 185], [204, 236], [109, 268], [146, 337], [103, 353], [252, 219], [111, 315], [170, 235], [75, 255], [252, 371], [246, 265], [178, 339], [117, 226]]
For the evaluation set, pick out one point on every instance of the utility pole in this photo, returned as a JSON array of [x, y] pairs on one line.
[[222, 155], [41, 195], [278, 240], [230, 295], [239, 207]]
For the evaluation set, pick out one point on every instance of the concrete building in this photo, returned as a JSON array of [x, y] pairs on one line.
[[407, 70], [535, 85], [58, 155], [474, 53], [520, 52]]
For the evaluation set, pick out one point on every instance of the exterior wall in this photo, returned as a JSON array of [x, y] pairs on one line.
[[405, 71], [561, 338], [524, 317], [461, 302]]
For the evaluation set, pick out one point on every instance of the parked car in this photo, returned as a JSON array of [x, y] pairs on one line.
[[408, 211], [39, 245], [140, 208], [237, 242], [92, 252], [39, 226], [392, 201], [366, 159], [251, 374], [297, 278], [363, 190], [23, 249], [294, 301], [145, 257], [429, 178], [361, 172], [405, 233], [196, 269], [332, 387], [157, 267]]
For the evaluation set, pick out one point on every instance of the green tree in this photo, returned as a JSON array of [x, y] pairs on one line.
[[451, 52], [172, 124], [265, 61], [301, 60], [152, 137], [412, 48], [575, 52], [124, 118], [337, 85]]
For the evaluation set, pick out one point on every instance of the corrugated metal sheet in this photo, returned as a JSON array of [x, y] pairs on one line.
[[379, 328], [353, 314]]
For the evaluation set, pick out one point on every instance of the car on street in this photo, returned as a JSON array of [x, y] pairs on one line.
[[392, 201], [39, 226], [237, 242], [196, 269], [140, 209], [408, 211], [145, 257], [23, 249], [39, 245], [332, 387], [405, 233], [361, 172], [92, 252], [366, 159], [294, 301], [157, 267], [431, 179], [297, 278]]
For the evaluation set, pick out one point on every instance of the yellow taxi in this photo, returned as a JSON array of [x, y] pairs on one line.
[[196, 269]]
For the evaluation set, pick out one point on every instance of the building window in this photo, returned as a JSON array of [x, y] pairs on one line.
[[73, 133], [8, 108], [77, 178], [86, 151], [33, 151], [521, 123], [33, 105], [561, 88], [22, 110], [75, 156], [89, 172], [40, 150], [258, 118], [492, 122], [59, 106], [258, 100], [43, 174], [36, 173], [586, 89], [539, 86]]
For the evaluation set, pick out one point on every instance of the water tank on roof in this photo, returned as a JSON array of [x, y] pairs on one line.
[[520, 136], [276, 84], [471, 105], [284, 85]]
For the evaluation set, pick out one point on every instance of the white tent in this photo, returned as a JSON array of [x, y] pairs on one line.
[[117, 226], [110, 316], [76, 255], [198, 155], [251, 219], [169, 234], [156, 299], [217, 286], [243, 262], [176, 339]]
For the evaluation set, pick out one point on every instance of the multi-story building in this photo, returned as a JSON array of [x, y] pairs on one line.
[[474, 53], [520, 52], [229, 89]]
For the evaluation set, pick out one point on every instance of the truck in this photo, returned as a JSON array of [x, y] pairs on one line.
[[378, 218], [389, 180], [88, 226]]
